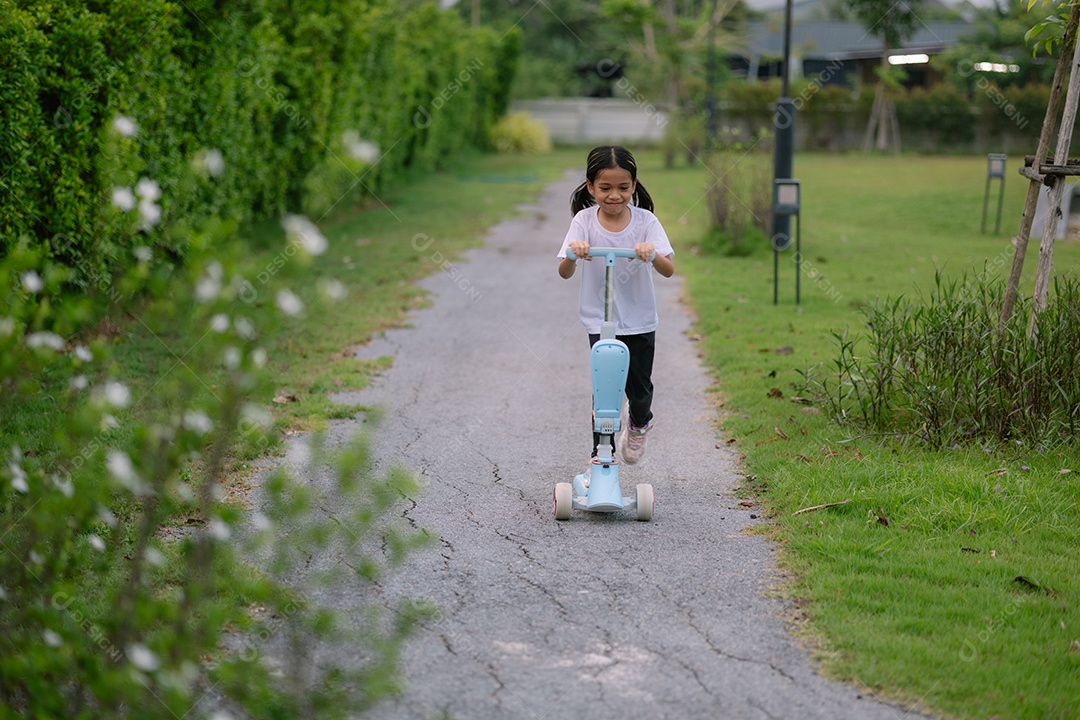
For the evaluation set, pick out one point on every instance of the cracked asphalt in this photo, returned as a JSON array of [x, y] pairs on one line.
[[601, 616]]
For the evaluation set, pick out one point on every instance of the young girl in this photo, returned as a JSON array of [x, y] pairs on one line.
[[623, 218]]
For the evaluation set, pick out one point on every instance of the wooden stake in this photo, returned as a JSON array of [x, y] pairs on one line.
[[1057, 190], [1049, 123]]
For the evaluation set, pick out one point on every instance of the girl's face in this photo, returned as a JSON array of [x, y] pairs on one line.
[[612, 189]]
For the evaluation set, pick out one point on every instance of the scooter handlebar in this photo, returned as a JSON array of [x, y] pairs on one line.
[[608, 254]]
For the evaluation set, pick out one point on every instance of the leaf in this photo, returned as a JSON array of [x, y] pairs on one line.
[[1027, 583]]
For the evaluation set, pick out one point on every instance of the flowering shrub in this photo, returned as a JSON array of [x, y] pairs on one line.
[[104, 615]]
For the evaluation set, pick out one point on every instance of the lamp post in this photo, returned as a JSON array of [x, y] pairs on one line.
[[784, 123]]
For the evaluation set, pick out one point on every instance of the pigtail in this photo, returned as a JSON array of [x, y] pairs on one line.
[[581, 199], [642, 198]]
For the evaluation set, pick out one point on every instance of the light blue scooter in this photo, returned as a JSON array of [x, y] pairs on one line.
[[597, 489]]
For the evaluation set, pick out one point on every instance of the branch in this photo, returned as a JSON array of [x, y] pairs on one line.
[[812, 508]]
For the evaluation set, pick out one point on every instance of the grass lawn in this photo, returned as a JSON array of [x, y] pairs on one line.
[[966, 600]]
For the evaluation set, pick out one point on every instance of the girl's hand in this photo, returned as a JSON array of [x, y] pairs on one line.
[[645, 252], [580, 248]]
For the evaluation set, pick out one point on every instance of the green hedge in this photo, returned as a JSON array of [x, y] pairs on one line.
[[274, 85]]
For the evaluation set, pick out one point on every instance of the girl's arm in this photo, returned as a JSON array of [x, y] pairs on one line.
[[662, 263], [576, 249]]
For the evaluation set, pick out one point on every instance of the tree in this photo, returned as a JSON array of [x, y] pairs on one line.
[[893, 22], [998, 36]]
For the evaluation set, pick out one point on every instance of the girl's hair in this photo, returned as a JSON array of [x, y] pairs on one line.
[[607, 157]]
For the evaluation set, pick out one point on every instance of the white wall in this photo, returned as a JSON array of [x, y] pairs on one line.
[[584, 121]]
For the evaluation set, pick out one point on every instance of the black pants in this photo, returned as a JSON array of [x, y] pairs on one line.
[[639, 387]]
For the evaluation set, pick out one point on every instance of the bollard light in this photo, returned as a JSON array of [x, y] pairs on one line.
[[786, 202]]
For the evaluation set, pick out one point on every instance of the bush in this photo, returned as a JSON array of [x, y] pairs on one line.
[[940, 370], [740, 194], [942, 111], [104, 616], [271, 88], [519, 132]]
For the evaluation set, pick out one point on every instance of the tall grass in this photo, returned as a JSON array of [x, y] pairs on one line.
[[941, 369], [740, 194]]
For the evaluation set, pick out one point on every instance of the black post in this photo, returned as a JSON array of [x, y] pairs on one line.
[[784, 123], [710, 91], [1001, 197], [798, 253]]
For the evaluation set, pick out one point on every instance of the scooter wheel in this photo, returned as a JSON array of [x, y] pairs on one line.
[[644, 502], [564, 500]]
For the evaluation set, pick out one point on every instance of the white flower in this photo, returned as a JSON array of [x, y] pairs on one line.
[[244, 328], [307, 233], [108, 422], [120, 466], [32, 281], [261, 522], [83, 354], [334, 290], [106, 516], [7, 326], [209, 286], [207, 289], [149, 214], [117, 394], [232, 358], [219, 323], [153, 556], [289, 303], [198, 421], [219, 529], [147, 190], [51, 638], [18, 478], [141, 657], [363, 150], [36, 557], [258, 357], [221, 715], [123, 199], [143, 253], [212, 162], [65, 486], [255, 415], [96, 543], [45, 339], [124, 126]]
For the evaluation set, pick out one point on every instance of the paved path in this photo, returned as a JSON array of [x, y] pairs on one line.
[[601, 616]]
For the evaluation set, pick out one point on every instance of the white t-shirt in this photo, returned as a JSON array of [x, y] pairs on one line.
[[635, 302]]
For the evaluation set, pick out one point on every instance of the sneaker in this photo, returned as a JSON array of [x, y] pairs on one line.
[[633, 443]]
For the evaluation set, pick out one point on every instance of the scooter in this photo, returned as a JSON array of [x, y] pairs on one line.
[[598, 489]]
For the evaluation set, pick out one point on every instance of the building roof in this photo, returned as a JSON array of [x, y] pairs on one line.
[[840, 40]]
